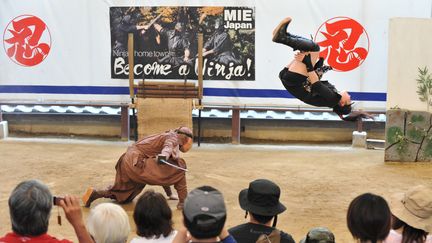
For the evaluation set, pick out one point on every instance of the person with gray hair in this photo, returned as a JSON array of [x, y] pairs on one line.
[[108, 223], [30, 205]]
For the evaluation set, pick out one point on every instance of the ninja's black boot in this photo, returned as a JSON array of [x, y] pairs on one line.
[[319, 63], [280, 33], [296, 42]]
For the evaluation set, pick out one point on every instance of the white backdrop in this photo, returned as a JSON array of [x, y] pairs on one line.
[[78, 65], [402, 73]]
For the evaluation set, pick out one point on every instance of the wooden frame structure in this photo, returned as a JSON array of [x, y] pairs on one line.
[[155, 89]]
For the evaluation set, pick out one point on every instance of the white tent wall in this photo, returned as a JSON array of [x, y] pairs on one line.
[[81, 49], [402, 74]]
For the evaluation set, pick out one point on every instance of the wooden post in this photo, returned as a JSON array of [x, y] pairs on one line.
[[235, 125], [360, 125], [200, 66], [125, 128], [131, 82], [200, 83], [131, 64], [199, 127]]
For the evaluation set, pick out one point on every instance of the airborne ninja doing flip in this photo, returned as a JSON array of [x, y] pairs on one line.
[[302, 76]]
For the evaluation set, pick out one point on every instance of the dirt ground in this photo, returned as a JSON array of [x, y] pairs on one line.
[[317, 182]]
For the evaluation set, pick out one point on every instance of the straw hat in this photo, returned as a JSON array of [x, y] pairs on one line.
[[414, 207]]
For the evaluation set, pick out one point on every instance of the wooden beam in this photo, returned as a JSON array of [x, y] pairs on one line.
[[167, 96], [152, 83], [143, 89], [168, 92]]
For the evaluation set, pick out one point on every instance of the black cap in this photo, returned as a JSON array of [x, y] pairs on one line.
[[204, 212]]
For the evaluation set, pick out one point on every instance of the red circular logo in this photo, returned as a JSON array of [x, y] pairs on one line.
[[344, 43], [27, 40]]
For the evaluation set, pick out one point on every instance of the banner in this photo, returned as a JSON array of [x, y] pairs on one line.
[[166, 42], [49, 54]]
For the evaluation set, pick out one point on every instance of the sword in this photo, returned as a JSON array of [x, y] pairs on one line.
[[175, 166]]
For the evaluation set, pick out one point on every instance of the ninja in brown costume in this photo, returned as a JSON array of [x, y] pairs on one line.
[[139, 166]]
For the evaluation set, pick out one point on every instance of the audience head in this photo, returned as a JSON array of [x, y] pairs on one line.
[[30, 205], [204, 212], [413, 211], [369, 218], [108, 223], [261, 200], [319, 235], [152, 215]]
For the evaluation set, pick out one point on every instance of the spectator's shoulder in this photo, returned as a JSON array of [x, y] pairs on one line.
[[64, 241], [52, 239], [237, 228], [286, 238], [14, 238], [137, 240], [3, 239]]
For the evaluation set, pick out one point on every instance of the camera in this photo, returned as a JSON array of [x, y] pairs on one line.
[[56, 200]]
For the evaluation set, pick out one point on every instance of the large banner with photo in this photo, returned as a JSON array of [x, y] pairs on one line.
[[49, 54], [166, 42]]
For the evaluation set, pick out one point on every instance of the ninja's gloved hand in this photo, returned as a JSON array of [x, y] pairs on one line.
[[161, 158], [307, 61], [320, 71]]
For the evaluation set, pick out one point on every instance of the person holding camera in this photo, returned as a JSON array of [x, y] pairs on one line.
[[154, 160], [30, 205]]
